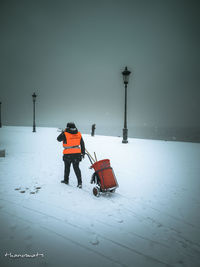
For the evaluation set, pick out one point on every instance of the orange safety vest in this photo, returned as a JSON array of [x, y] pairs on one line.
[[73, 143]]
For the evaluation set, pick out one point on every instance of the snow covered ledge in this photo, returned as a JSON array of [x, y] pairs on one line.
[[2, 153]]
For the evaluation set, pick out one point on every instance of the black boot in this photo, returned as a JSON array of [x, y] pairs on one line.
[[79, 182], [65, 181], [79, 185]]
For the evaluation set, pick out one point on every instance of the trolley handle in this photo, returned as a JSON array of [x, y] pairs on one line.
[[89, 158]]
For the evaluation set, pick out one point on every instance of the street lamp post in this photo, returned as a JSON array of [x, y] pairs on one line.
[[125, 74], [34, 100], [0, 116]]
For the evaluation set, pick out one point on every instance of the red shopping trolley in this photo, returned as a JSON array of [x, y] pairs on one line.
[[103, 177]]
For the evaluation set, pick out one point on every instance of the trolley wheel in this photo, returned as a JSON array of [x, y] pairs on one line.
[[113, 190], [96, 191]]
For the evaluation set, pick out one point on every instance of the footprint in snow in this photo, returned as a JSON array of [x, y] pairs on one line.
[[94, 241], [180, 263], [33, 191], [38, 187], [183, 244]]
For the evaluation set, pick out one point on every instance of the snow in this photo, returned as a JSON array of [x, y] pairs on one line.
[[151, 220]]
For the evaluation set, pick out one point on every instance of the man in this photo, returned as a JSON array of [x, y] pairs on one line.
[[74, 151], [93, 129]]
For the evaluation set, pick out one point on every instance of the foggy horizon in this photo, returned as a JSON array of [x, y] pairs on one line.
[[71, 54]]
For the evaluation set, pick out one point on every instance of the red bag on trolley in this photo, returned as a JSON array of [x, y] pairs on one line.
[[105, 173]]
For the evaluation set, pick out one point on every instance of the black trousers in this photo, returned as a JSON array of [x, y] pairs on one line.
[[75, 162]]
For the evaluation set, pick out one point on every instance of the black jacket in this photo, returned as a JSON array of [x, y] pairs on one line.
[[62, 137]]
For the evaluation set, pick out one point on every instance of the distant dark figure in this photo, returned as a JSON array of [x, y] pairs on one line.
[[74, 151], [93, 129]]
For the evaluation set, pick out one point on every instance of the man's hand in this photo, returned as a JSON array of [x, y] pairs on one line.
[[83, 156]]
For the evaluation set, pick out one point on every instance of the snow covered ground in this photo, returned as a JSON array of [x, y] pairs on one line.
[[151, 220]]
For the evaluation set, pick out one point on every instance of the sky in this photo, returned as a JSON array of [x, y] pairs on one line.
[[72, 53]]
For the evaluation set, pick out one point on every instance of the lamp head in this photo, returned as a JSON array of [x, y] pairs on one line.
[[34, 96], [126, 74]]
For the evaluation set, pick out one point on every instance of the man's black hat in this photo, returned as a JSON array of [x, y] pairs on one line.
[[71, 125]]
